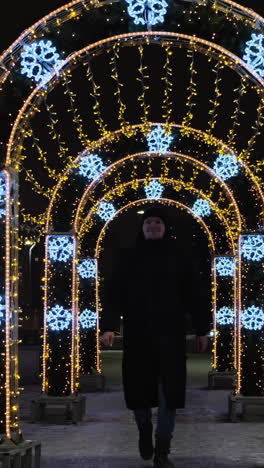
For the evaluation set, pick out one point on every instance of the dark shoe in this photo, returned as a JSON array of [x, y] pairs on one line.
[[145, 443], [162, 448]]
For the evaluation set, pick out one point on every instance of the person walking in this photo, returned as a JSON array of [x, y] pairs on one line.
[[153, 287]]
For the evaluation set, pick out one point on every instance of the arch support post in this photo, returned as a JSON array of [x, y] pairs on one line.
[[9, 378], [91, 378], [249, 391], [60, 401], [224, 312], [12, 445]]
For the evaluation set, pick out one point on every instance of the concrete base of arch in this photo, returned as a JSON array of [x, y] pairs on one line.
[[226, 379], [26, 454], [92, 383], [251, 407], [58, 410]]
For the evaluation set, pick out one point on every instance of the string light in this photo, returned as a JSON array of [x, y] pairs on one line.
[[253, 247], [2, 309], [88, 319], [91, 166], [60, 248], [254, 53], [225, 266], [253, 318], [226, 166], [106, 211], [87, 268], [201, 208], [154, 189], [158, 141], [58, 318], [2, 194], [39, 60], [149, 12], [225, 316]]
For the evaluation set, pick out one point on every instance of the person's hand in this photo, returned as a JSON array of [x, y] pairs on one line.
[[108, 338], [201, 343]]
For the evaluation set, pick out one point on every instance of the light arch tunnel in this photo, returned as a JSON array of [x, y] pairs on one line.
[[12, 147], [249, 377]]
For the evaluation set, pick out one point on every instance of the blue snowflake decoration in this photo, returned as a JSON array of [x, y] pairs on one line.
[[201, 208], [91, 166], [253, 318], [147, 12], [2, 195], [2, 310], [88, 319], [158, 141], [225, 316], [254, 53], [60, 248], [253, 247], [226, 166], [39, 60], [225, 266], [106, 211], [87, 268], [154, 189], [58, 318]]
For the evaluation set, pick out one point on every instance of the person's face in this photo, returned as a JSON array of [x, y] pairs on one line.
[[153, 228]]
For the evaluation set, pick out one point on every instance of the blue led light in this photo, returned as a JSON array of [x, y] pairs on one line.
[[2, 310], [154, 189], [88, 319], [147, 12], [2, 195], [39, 60], [158, 141], [87, 268], [226, 166], [253, 318], [225, 316], [106, 211], [254, 53], [201, 208], [91, 166], [58, 318], [253, 247], [60, 248], [225, 266]]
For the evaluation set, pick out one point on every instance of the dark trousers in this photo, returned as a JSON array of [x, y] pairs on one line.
[[166, 417]]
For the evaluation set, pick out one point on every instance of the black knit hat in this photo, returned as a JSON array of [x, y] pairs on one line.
[[157, 212]]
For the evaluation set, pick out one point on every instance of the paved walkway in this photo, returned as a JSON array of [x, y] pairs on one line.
[[107, 438]]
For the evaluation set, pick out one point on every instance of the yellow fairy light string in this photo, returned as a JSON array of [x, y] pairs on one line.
[[142, 98], [167, 103], [96, 95], [233, 204], [213, 112], [192, 93], [76, 118], [232, 134], [54, 119]]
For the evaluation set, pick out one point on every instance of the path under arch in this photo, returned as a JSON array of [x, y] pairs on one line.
[[107, 438]]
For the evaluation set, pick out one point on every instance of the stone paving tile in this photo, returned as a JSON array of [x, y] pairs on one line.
[[107, 438]]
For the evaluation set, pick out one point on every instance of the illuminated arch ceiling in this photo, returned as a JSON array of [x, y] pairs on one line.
[[185, 197], [113, 14], [68, 182], [142, 108]]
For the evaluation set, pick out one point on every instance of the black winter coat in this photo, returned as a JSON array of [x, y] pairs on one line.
[[153, 287]]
